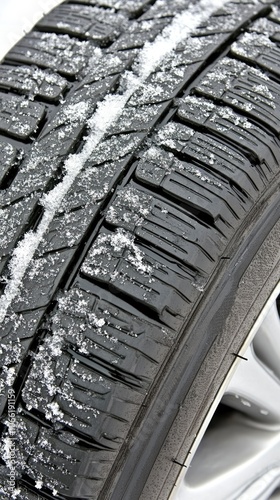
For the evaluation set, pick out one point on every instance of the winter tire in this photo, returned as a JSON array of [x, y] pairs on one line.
[[139, 244]]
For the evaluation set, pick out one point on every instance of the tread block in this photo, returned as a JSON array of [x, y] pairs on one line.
[[196, 187], [66, 55], [19, 117], [138, 119], [244, 88], [92, 185], [132, 7], [33, 82], [157, 283], [193, 50], [80, 206], [87, 363], [233, 127], [89, 188], [275, 14], [88, 22], [107, 65], [214, 154], [168, 229], [66, 230], [258, 49], [8, 157], [41, 280], [33, 176], [158, 87], [79, 401], [138, 33], [232, 16], [14, 220], [115, 148], [17, 334], [266, 26], [165, 9], [70, 119], [99, 172], [57, 461]]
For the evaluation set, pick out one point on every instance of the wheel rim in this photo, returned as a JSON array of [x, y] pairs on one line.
[[238, 457]]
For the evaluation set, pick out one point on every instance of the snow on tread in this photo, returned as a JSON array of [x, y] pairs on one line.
[[47, 271], [8, 158], [139, 33], [17, 335], [145, 276], [14, 220], [165, 227], [49, 50], [212, 153], [246, 89], [91, 23], [91, 347], [191, 185], [259, 50], [233, 126], [132, 7], [25, 80], [131, 213], [18, 117]]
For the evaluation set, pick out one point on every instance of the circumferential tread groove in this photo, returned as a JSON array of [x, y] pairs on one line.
[[142, 230]]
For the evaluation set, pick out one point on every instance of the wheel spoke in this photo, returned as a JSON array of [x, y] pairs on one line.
[[234, 460], [267, 341], [254, 390]]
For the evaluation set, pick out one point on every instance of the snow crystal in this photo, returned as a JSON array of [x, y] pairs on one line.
[[119, 242], [131, 206], [230, 116], [53, 412], [251, 45], [264, 91], [107, 114], [173, 130], [39, 484]]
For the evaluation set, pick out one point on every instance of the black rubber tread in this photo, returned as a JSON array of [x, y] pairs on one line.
[[233, 127], [132, 7], [245, 89], [49, 86], [14, 220], [84, 21], [19, 118], [140, 233], [175, 232], [259, 48], [140, 32], [8, 157], [66, 55], [192, 186], [197, 147]]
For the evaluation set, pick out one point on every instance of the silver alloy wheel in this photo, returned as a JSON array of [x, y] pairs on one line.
[[238, 457]]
